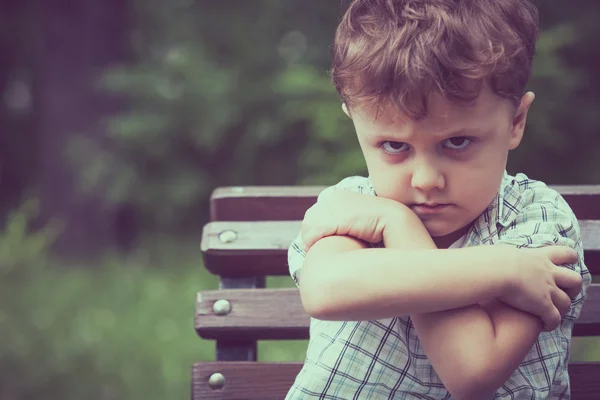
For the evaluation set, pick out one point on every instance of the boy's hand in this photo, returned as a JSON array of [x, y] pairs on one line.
[[342, 212], [539, 285]]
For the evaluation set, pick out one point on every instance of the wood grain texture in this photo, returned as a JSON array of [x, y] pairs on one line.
[[260, 248], [278, 314], [282, 203], [271, 381], [255, 314]]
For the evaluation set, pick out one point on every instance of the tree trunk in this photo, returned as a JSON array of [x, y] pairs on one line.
[[78, 39]]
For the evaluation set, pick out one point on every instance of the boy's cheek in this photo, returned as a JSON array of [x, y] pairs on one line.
[[389, 191]]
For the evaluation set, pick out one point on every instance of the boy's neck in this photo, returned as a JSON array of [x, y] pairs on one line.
[[443, 242]]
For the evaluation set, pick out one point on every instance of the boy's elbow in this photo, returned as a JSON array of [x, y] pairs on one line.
[[317, 299], [473, 382], [317, 308], [471, 392], [471, 388]]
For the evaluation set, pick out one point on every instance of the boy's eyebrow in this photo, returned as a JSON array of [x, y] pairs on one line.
[[450, 134], [463, 132]]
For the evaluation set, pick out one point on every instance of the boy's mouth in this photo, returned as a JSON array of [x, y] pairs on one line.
[[428, 208]]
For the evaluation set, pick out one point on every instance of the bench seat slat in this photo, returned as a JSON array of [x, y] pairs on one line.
[[260, 248], [271, 381], [264, 314], [283, 203]]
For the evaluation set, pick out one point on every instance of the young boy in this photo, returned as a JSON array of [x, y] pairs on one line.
[[439, 276]]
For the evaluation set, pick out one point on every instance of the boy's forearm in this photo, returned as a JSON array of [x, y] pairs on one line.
[[371, 284]]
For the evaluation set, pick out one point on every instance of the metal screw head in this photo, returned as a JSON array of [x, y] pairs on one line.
[[216, 381], [228, 236], [222, 307]]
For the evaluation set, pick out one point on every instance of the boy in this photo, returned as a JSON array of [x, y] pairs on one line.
[[439, 276]]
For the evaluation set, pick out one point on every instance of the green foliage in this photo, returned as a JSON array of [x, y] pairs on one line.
[[225, 98], [20, 246], [210, 106], [121, 331], [561, 139]]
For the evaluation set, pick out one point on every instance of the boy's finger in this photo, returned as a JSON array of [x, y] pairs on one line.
[[308, 238], [560, 255], [312, 235], [561, 301], [551, 320], [569, 281]]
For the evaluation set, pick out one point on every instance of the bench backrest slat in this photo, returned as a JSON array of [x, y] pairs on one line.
[[285, 203], [278, 314], [260, 248]]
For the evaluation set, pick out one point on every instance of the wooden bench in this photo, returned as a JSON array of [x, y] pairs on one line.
[[247, 240]]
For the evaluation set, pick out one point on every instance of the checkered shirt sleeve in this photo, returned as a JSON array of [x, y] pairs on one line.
[[543, 218], [296, 252]]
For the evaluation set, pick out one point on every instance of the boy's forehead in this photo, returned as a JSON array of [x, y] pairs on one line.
[[441, 112]]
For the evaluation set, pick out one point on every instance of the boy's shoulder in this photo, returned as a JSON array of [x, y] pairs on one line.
[[355, 183], [522, 197], [521, 187], [526, 213]]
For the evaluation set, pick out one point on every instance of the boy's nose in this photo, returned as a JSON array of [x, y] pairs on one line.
[[427, 177]]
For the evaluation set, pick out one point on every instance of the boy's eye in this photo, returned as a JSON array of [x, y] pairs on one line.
[[394, 147], [457, 143]]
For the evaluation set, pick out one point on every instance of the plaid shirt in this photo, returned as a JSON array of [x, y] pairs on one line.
[[383, 359]]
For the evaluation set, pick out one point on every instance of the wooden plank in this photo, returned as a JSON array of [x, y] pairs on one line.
[[281, 203], [257, 314], [244, 380], [260, 248], [584, 200], [239, 348], [262, 203], [278, 314], [272, 381], [588, 323]]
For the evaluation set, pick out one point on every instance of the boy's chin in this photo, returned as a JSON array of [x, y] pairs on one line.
[[445, 232], [439, 230]]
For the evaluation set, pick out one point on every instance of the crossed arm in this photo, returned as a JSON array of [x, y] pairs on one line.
[[474, 348], [459, 299]]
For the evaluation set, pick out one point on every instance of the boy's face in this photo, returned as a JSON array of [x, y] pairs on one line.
[[447, 167]]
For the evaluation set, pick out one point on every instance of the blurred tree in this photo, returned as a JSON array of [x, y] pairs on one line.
[[220, 97], [224, 93], [238, 93], [78, 40], [562, 139], [18, 161]]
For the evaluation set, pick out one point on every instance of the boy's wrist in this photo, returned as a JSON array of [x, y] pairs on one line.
[[403, 229], [499, 260]]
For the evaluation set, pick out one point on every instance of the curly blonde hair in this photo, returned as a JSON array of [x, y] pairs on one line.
[[400, 51]]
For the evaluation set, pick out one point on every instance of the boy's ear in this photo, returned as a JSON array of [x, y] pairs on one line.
[[346, 111], [519, 120]]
